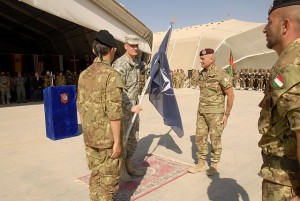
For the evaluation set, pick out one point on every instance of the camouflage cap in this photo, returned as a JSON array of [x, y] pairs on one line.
[[206, 51], [132, 39], [282, 3]]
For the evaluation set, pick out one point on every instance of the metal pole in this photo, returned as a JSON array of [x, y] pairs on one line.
[[135, 114]]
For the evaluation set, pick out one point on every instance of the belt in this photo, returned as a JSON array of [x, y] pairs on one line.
[[280, 163]]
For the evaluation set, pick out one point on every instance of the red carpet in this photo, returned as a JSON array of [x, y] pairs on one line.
[[159, 171]]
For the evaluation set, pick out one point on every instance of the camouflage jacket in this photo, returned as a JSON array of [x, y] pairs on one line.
[[280, 116], [4, 83], [20, 81], [212, 83], [130, 71], [99, 101], [60, 80], [47, 81]]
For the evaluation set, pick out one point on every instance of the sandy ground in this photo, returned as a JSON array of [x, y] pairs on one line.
[[34, 167]]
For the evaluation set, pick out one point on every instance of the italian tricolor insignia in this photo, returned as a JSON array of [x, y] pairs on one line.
[[278, 81]]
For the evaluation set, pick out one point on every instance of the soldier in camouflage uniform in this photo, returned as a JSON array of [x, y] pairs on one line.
[[195, 78], [243, 79], [5, 88], [99, 102], [255, 83], [236, 79], [174, 78], [212, 116], [60, 79], [182, 78], [47, 80], [266, 79], [279, 121], [20, 82], [250, 79], [129, 67], [260, 79]]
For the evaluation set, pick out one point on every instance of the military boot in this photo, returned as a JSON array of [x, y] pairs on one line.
[[131, 170], [199, 167], [212, 170], [124, 176]]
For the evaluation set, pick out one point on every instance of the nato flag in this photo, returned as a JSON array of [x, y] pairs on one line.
[[161, 93]]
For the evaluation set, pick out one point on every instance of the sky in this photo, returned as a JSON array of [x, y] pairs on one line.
[[157, 14]]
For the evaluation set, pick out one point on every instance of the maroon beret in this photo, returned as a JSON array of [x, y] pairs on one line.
[[206, 51]]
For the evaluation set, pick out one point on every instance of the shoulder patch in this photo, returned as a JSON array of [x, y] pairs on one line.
[[278, 82]]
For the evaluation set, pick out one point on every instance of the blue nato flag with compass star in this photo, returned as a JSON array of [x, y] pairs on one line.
[[161, 93]]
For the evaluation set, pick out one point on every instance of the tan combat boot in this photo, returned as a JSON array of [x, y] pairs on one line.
[[124, 176], [131, 170], [199, 167], [212, 170]]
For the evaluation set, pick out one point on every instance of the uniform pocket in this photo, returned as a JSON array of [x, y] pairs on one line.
[[95, 158], [112, 166], [213, 87]]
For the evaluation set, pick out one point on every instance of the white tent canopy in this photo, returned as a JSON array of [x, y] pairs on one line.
[[96, 15], [245, 39]]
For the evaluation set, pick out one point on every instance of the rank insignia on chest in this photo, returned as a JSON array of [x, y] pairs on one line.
[[278, 82]]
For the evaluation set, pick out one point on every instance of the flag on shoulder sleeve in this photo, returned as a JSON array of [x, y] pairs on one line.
[[161, 93], [231, 64]]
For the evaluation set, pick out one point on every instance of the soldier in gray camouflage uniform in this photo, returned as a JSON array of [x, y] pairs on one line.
[[130, 67], [212, 115], [20, 86], [5, 88], [99, 102], [279, 121]]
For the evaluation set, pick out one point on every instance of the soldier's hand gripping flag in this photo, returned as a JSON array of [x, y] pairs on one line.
[[161, 93]]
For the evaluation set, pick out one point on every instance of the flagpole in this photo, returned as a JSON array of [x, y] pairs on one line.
[[141, 99], [140, 102]]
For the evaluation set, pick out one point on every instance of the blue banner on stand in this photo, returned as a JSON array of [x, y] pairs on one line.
[[60, 112]]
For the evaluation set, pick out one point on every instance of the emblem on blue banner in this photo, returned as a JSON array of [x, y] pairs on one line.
[[64, 98]]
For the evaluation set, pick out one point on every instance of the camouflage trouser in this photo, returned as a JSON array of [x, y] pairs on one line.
[[104, 180], [276, 192], [251, 82], [242, 83], [3, 94], [134, 134], [209, 124], [260, 84]]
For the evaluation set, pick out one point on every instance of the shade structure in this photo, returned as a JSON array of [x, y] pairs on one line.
[[246, 39], [96, 15]]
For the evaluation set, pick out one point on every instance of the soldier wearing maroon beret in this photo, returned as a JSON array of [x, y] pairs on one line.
[[206, 51], [212, 114], [279, 121]]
